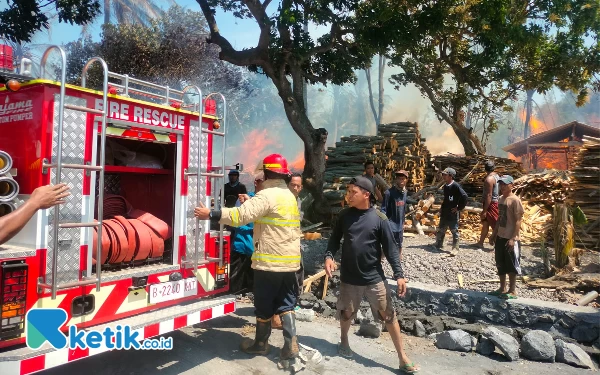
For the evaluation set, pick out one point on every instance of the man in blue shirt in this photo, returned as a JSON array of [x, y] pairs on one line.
[[242, 247], [394, 206]]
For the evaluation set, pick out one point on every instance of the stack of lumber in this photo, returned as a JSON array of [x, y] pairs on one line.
[[585, 191], [546, 188], [396, 146], [463, 165]]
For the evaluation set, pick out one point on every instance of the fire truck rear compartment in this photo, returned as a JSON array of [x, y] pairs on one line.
[[150, 190]]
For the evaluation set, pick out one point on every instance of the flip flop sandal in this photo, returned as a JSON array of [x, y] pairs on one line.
[[344, 352], [508, 296], [405, 369], [495, 293]]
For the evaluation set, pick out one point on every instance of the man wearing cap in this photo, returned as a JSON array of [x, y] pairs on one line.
[[276, 257], [505, 238], [367, 234], [489, 215], [455, 199], [233, 188], [394, 206]]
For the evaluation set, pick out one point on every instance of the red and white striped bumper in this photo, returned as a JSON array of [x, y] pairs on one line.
[[29, 361]]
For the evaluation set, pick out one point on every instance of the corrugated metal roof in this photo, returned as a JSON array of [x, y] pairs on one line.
[[553, 135]]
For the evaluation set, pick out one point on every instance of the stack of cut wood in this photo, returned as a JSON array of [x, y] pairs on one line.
[[463, 165], [585, 191], [547, 188], [396, 146], [535, 220]]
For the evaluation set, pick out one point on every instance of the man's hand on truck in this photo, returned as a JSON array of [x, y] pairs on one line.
[[41, 198], [49, 195], [202, 212]]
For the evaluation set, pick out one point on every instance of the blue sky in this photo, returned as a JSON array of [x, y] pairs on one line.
[[241, 33]]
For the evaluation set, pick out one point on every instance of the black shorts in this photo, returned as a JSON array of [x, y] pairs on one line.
[[507, 258]]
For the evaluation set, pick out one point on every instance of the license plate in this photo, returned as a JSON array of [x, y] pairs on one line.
[[171, 290]]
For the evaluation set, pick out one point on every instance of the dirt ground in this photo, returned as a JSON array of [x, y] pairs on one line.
[[212, 348], [421, 263]]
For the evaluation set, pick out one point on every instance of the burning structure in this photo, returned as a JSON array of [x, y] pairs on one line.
[[552, 149]]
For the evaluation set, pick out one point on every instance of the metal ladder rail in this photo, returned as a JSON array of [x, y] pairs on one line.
[[196, 174], [126, 80], [54, 286], [222, 174]]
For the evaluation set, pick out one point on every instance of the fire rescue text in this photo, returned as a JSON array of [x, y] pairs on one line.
[[143, 115]]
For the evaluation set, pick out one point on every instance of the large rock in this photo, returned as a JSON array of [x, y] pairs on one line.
[[573, 355], [305, 315], [419, 329], [507, 344], [370, 328], [538, 346], [331, 301], [458, 340], [485, 346], [585, 333]]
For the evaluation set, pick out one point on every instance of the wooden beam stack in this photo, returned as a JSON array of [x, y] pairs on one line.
[[544, 188], [585, 191], [396, 146], [463, 165]]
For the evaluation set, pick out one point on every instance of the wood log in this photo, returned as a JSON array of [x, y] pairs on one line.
[[424, 206]]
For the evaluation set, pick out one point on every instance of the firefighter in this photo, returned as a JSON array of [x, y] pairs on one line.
[[276, 256], [41, 198]]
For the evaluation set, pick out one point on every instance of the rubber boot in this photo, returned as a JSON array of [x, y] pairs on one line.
[[290, 346], [439, 240], [276, 322], [260, 345], [455, 247]]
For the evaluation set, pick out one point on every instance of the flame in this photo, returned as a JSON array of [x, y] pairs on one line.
[[537, 126], [257, 145], [298, 163]]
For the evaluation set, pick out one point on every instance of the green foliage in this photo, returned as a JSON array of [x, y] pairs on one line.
[[171, 51], [483, 52], [22, 18]]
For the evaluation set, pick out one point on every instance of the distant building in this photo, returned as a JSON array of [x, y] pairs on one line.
[[552, 149]]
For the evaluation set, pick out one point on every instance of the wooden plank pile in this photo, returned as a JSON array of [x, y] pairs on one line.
[[463, 165], [546, 188], [585, 191], [396, 146]]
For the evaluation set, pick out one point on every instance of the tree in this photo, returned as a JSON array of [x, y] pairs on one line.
[[132, 11], [476, 52], [23, 18], [288, 55], [377, 112]]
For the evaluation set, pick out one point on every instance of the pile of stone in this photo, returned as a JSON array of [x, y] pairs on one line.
[[535, 345]]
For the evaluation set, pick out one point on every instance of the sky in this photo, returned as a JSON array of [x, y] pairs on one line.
[[241, 33]]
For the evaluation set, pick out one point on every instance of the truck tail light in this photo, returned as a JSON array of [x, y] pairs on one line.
[[13, 296]]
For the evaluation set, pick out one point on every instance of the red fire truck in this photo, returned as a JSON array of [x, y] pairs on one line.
[[125, 248]]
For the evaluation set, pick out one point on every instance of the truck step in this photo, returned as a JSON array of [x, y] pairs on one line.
[[23, 361]]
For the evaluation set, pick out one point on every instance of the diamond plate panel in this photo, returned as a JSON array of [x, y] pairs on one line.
[[112, 184], [74, 128], [195, 184]]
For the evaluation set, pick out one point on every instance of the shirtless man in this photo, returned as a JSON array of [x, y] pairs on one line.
[[489, 215]]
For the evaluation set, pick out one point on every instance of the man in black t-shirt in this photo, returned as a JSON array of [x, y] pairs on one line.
[[366, 233], [233, 188], [455, 199]]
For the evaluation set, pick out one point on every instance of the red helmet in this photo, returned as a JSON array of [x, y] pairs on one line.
[[276, 163]]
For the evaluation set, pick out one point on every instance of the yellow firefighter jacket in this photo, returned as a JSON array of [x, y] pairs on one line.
[[274, 211]]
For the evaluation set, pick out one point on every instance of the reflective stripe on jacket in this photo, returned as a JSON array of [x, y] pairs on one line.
[[274, 211]]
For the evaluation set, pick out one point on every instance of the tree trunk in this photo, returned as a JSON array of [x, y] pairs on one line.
[[361, 107], [381, 70], [371, 99], [469, 140], [528, 113], [106, 12], [315, 140]]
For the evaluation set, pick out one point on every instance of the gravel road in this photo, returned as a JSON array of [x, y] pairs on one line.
[[423, 264]]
